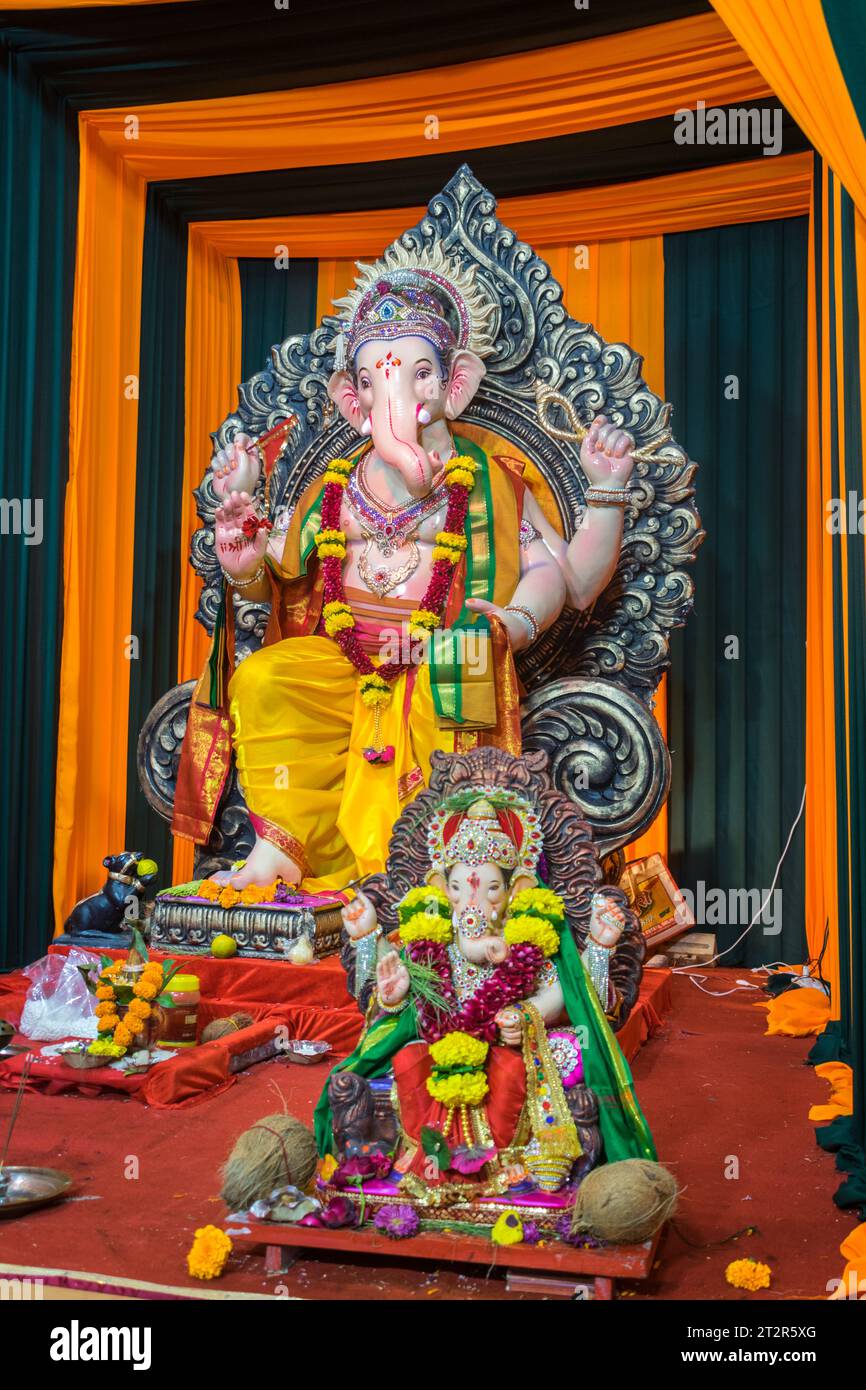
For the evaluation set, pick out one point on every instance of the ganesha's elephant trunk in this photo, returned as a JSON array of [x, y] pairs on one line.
[[395, 428]]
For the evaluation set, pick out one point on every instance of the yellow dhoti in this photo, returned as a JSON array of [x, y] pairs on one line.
[[300, 729]]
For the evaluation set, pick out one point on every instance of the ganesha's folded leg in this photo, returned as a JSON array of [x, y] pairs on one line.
[[292, 707]]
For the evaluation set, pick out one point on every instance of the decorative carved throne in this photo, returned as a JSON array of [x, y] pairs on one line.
[[591, 678]]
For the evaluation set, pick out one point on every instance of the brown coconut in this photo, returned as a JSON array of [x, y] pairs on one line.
[[626, 1202], [277, 1151], [221, 1027]]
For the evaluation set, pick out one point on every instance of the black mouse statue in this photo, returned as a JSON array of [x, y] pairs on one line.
[[130, 876]]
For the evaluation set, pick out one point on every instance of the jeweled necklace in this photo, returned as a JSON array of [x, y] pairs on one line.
[[339, 620], [389, 527]]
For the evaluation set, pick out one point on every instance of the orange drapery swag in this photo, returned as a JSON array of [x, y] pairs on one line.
[[614, 79]]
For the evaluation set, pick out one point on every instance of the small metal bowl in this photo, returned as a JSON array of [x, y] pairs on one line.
[[306, 1051], [24, 1189], [83, 1061]]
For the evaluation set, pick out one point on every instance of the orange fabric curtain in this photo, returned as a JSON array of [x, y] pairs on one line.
[[612, 80], [821, 769], [90, 802], [789, 43]]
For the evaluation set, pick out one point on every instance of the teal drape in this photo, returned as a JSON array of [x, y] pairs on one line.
[[735, 353], [274, 303], [38, 195]]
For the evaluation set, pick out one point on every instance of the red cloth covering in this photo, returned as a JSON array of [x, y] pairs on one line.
[[506, 1078], [308, 1001]]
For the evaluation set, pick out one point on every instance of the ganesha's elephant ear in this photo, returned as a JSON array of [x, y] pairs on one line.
[[467, 373]]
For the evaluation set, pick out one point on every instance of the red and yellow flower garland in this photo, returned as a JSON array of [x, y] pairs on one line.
[[139, 1009], [339, 620]]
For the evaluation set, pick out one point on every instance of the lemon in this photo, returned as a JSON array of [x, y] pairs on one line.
[[223, 946], [147, 866]]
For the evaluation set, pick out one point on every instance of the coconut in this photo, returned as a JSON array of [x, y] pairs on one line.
[[221, 1027], [277, 1151], [626, 1202]]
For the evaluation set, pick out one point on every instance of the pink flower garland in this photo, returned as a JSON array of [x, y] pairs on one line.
[[514, 980], [435, 596]]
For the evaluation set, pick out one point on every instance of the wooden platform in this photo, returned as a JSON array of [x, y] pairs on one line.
[[553, 1269]]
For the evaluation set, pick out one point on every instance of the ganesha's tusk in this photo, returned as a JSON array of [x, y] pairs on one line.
[[546, 397]]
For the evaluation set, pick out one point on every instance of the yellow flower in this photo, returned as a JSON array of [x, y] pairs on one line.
[[209, 890], [541, 900], [139, 1008], [421, 926], [253, 894], [508, 1229], [462, 1089], [105, 992], [108, 1023], [210, 1250], [533, 930], [332, 476], [331, 542], [123, 1036], [748, 1274], [420, 897], [144, 990], [459, 1049], [229, 897], [103, 1047], [453, 539], [105, 1010], [328, 1168]]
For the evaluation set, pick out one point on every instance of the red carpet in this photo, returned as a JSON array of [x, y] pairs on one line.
[[712, 1087]]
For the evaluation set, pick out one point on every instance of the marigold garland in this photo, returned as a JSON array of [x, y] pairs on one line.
[[337, 615], [533, 930], [456, 1089], [459, 1049], [209, 1253]]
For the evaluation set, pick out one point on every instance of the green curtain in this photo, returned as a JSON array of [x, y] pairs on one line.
[[38, 195], [735, 355], [274, 304]]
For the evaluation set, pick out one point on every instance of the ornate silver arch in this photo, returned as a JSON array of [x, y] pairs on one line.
[[623, 642]]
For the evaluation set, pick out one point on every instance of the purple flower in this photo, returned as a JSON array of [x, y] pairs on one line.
[[340, 1211], [465, 1160], [579, 1239], [531, 1232], [397, 1222]]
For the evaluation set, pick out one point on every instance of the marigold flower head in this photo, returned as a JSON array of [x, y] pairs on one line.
[[105, 992], [748, 1274], [144, 990], [209, 1253], [108, 1023]]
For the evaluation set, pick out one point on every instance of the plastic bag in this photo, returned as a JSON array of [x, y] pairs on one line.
[[59, 1004]]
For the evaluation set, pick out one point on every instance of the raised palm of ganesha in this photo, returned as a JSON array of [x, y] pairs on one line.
[[405, 581]]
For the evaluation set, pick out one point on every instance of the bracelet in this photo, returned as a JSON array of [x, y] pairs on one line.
[[530, 617], [244, 583], [392, 1008], [601, 945], [607, 496], [356, 940]]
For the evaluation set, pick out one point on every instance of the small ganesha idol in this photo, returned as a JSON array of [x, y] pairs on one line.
[[487, 1028]]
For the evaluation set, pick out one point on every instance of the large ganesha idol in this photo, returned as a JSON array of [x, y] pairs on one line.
[[409, 575], [487, 1067]]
